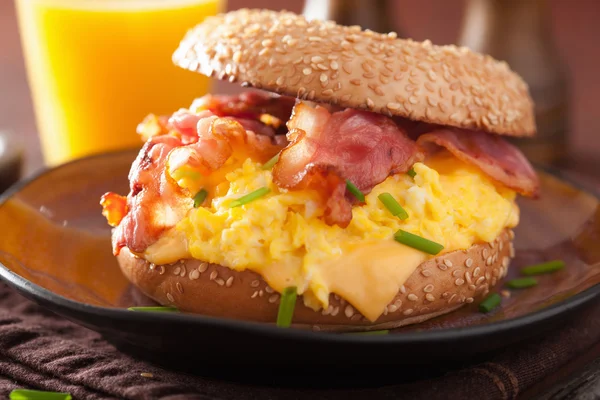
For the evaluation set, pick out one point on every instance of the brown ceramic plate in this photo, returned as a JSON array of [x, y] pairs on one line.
[[55, 249]]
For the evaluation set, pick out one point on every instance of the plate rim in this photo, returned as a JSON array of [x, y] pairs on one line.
[[442, 334]]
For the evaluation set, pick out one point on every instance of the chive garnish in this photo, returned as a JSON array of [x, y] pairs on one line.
[[355, 191], [417, 242], [200, 197], [269, 164], [521, 283], [543, 268], [392, 205], [411, 172], [286, 307], [154, 309], [490, 302], [25, 394], [368, 333], [249, 197]]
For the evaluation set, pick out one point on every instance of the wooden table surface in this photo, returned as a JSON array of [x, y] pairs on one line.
[[577, 30]]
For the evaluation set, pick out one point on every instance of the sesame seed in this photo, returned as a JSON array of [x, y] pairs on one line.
[[194, 274], [403, 289], [273, 298], [349, 311], [511, 249], [408, 312], [428, 289], [307, 71], [472, 287], [385, 311], [269, 289], [255, 283], [267, 43], [468, 277], [485, 253], [489, 261], [335, 311], [355, 82], [170, 298], [261, 293], [183, 271], [179, 287], [457, 273], [476, 272], [147, 375], [229, 281], [323, 78], [161, 270], [327, 93], [445, 295], [429, 297], [448, 263], [334, 65], [220, 281], [451, 298], [468, 262], [370, 103], [443, 267], [392, 308], [317, 59], [426, 273], [177, 270], [480, 280], [254, 295], [459, 282], [213, 275], [412, 297]]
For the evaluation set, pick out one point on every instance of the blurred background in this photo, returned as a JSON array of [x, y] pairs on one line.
[[553, 43]]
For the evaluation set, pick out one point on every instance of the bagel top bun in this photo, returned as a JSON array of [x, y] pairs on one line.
[[328, 63]]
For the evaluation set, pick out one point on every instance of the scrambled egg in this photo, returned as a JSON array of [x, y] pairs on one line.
[[282, 237]]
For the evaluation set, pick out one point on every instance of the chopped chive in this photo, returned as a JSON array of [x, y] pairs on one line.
[[355, 191], [411, 172], [200, 197], [543, 268], [269, 164], [25, 394], [521, 283], [249, 197], [154, 309], [368, 333], [490, 302], [392, 205], [286, 307], [417, 242]]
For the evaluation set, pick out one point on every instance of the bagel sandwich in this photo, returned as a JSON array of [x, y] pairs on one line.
[[365, 176]]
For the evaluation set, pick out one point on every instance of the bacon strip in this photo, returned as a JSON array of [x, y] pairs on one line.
[[248, 105], [218, 139], [493, 155], [155, 202], [362, 147]]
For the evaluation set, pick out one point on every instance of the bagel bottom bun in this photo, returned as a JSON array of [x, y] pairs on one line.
[[438, 286]]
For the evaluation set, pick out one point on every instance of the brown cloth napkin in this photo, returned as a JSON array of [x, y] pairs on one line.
[[40, 350]]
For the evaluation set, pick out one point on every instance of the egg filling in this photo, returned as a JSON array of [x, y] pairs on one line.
[[282, 237]]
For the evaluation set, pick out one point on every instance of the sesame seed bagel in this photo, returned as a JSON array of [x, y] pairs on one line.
[[328, 63], [438, 286]]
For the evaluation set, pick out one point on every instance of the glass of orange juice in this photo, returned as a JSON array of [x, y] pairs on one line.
[[96, 68]]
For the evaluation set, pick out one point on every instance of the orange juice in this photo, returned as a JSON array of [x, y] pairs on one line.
[[97, 67]]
